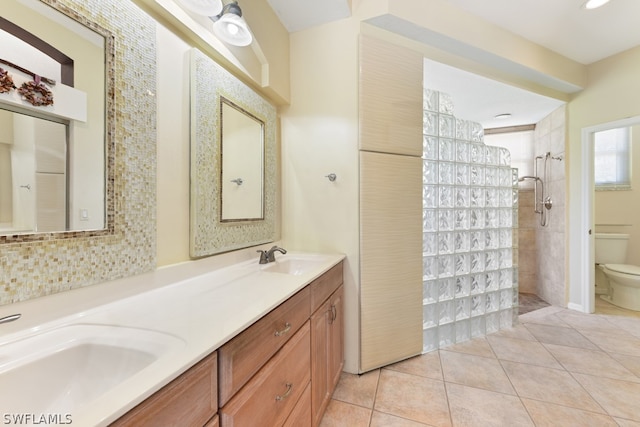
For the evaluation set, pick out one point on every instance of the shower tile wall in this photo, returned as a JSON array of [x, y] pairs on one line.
[[527, 254], [470, 196], [549, 137]]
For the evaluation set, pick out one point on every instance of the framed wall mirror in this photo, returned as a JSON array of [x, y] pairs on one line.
[[55, 178], [233, 162]]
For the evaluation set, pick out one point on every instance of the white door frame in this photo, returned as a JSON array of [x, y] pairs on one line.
[[582, 229]]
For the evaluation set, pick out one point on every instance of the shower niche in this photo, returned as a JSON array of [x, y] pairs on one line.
[[470, 199]]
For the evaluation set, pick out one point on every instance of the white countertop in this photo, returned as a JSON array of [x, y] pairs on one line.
[[203, 308]]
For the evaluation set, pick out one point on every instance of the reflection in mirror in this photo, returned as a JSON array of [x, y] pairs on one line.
[[242, 148], [33, 155], [53, 172]]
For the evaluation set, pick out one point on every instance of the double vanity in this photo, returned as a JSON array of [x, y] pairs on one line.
[[184, 345]]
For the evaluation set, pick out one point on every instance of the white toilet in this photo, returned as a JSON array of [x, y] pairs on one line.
[[624, 279]]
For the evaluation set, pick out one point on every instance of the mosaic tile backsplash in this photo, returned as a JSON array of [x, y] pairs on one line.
[[37, 268], [470, 198]]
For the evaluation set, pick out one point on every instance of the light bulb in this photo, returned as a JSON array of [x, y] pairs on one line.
[[593, 4], [232, 29]]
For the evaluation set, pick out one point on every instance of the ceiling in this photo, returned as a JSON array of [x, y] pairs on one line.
[[563, 26], [298, 15]]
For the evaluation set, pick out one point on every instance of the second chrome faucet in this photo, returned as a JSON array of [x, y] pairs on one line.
[[270, 255]]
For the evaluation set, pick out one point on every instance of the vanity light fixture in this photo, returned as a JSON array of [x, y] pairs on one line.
[[230, 26], [594, 4], [203, 7], [502, 116]]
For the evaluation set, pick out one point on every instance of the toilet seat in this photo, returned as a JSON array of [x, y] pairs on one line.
[[633, 270]]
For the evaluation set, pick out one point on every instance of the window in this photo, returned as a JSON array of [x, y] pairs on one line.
[[612, 159]]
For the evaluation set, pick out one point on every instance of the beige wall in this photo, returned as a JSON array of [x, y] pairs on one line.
[[623, 207], [320, 136], [173, 148]]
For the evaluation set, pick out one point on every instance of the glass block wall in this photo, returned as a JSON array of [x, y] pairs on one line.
[[470, 195]]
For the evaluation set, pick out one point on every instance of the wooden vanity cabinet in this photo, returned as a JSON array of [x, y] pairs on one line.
[[280, 371], [191, 399], [317, 349]]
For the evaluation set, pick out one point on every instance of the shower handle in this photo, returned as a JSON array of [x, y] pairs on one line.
[[548, 203]]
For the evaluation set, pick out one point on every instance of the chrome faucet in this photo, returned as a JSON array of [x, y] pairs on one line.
[[270, 255]]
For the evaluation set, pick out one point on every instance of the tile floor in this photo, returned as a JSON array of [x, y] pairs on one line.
[[530, 302], [605, 307], [555, 368]]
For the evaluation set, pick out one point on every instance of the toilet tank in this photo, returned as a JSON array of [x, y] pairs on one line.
[[611, 248]]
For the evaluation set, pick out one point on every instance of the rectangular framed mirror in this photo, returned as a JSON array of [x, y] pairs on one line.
[[56, 123], [233, 162]]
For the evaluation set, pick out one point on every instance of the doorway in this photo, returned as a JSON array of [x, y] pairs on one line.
[[582, 229]]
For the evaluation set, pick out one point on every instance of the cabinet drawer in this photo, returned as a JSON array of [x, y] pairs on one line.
[[244, 355], [325, 285], [191, 399], [273, 392], [301, 414]]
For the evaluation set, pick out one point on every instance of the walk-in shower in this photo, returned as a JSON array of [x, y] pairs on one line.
[[470, 197], [544, 203]]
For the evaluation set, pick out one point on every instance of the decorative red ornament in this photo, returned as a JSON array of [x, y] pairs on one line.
[[36, 93]]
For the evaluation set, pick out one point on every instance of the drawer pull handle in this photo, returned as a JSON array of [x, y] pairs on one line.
[[10, 318], [286, 393], [287, 328], [334, 314]]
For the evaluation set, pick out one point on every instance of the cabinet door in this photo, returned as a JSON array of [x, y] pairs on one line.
[[319, 361], [336, 338], [327, 352], [390, 97], [390, 259]]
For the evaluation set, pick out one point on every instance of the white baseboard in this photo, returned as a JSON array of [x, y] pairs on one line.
[[576, 307]]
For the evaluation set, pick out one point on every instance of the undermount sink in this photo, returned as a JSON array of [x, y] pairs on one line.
[[62, 369], [294, 266]]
